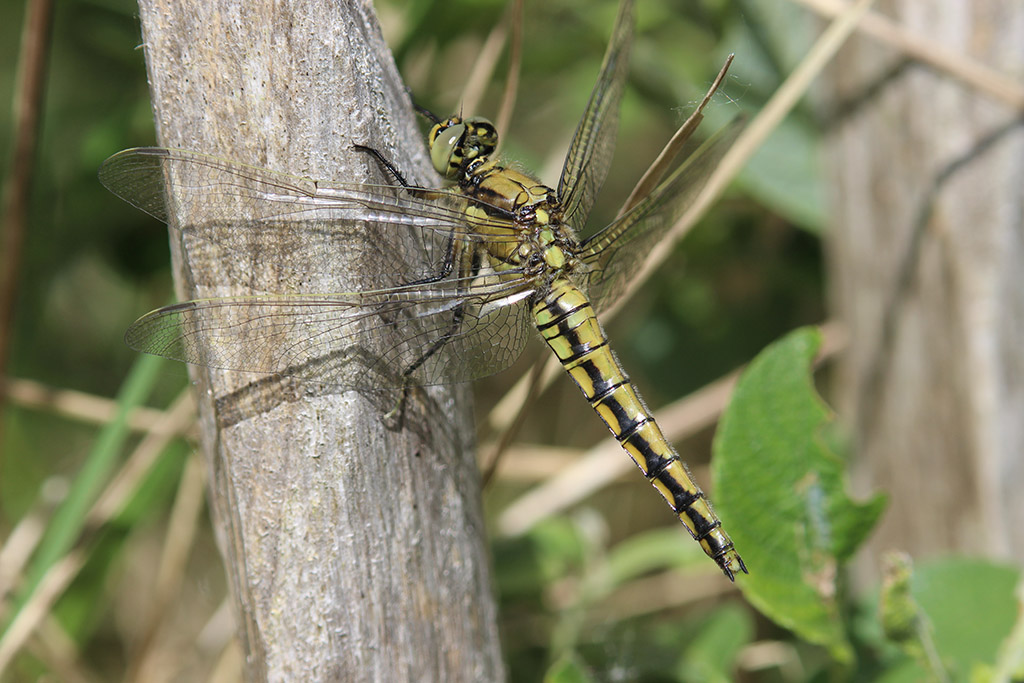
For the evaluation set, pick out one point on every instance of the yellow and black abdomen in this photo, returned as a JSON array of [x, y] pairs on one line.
[[568, 324]]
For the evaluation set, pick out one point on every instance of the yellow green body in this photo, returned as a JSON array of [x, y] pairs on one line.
[[496, 244], [566, 320]]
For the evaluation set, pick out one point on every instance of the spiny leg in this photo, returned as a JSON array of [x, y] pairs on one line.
[[386, 163], [396, 414]]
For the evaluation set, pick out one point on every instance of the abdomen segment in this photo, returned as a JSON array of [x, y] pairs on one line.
[[569, 325]]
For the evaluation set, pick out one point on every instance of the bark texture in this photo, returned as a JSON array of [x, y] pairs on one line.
[[354, 552], [927, 272]]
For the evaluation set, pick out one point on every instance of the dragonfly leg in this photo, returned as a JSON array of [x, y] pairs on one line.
[[386, 163], [392, 169], [449, 257], [470, 264], [424, 112], [394, 417]]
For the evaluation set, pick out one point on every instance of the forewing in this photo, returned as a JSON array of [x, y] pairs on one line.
[[590, 154], [616, 252], [444, 332], [307, 223]]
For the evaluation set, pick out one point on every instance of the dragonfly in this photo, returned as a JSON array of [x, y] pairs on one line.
[[495, 253]]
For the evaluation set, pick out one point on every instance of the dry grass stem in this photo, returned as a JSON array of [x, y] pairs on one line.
[[515, 61], [506, 410], [661, 164], [487, 61], [19, 546], [532, 462], [219, 631], [50, 588], [145, 663], [118, 492], [61, 653], [483, 69], [659, 593], [978, 75], [78, 405], [228, 668], [176, 420]]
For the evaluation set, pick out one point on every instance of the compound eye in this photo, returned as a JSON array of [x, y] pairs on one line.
[[446, 148]]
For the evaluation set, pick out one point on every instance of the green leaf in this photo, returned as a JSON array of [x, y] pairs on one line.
[[971, 608], [780, 493], [963, 622]]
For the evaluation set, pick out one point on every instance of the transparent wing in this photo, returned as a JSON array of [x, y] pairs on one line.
[[402, 319], [237, 206], [616, 252], [436, 333], [590, 154]]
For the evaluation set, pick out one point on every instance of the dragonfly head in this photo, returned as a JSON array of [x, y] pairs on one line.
[[457, 142]]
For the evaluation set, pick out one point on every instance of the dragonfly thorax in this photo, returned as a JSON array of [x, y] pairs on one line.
[[460, 150], [547, 247]]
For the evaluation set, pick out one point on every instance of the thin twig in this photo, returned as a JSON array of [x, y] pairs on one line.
[[28, 102], [80, 406], [978, 75]]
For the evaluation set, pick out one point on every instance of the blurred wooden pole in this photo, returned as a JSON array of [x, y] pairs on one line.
[[927, 264], [354, 553]]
